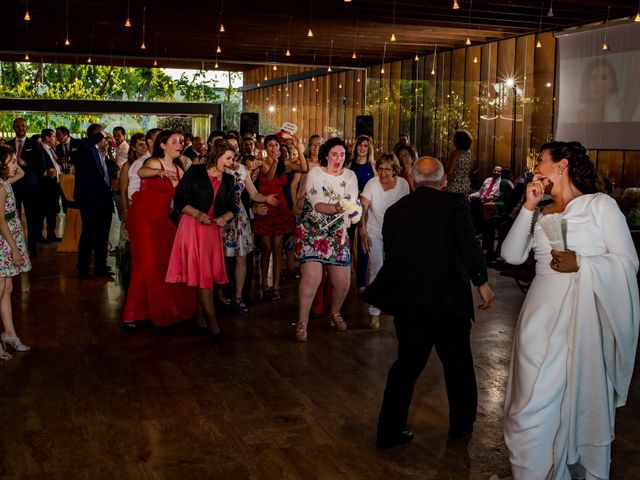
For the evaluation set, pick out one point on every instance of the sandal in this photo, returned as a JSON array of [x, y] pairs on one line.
[[301, 331], [240, 306], [4, 355], [338, 322], [275, 295]]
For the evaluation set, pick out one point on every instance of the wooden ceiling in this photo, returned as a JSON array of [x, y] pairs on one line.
[[185, 34]]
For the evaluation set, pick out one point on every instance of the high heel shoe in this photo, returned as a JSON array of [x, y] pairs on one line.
[[301, 331], [338, 322], [4, 355], [15, 342]]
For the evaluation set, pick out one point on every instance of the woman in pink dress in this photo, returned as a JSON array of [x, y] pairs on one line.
[[205, 197], [151, 235]]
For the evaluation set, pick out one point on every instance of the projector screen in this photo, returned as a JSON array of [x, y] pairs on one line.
[[598, 91]]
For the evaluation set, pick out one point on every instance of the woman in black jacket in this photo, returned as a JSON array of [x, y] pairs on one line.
[[205, 198]]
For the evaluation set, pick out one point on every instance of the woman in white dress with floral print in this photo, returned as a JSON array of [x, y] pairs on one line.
[[331, 206]]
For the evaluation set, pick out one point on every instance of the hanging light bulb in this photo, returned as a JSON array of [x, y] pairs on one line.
[[605, 46], [300, 85], [275, 67], [475, 59], [313, 79], [221, 30], [67, 42], [393, 37], [288, 54], [216, 64], [455, 5], [26, 57], [218, 50], [309, 33], [265, 77], [468, 42], [143, 46], [382, 71], [89, 60], [550, 12], [353, 55], [637, 19], [358, 79], [155, 63], [417, 58], [433, 71], [539, 44], [27, 17], [127, 22], [329, 69]]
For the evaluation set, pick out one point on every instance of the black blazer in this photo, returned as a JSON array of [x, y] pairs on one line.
[[195, 189], [32, 154], [90, 188], [74, 144], [431, 253]]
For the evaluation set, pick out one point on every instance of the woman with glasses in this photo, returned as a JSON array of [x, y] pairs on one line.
[[379, 194]]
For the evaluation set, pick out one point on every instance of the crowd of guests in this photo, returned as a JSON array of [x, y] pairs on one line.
[[193, 214]]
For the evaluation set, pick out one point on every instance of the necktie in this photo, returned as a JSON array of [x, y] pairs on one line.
[[487, 192], [65, 148], [20, 148]]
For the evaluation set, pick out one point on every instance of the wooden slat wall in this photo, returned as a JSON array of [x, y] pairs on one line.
[[461, 93]]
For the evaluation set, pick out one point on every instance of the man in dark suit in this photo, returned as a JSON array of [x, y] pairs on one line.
[[94, 171], [431, 254], [26, 190], [66, 144], [49, 187]]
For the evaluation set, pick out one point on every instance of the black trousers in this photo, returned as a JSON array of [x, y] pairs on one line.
[[418, 331], [50, 205], [35, 218], [94, 238]]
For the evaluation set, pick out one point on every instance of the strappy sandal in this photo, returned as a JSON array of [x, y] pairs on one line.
[[240, 306], [301, 331], [338, 322], [4, 355]]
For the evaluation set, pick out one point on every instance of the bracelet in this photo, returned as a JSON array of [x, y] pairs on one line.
[[195, 213]]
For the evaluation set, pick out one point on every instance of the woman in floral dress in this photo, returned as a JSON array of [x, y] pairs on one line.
[[321, 234], [14, 257], [237, 235]]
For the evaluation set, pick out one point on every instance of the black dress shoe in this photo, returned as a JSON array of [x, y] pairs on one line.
[[457, 434], [390, 441]]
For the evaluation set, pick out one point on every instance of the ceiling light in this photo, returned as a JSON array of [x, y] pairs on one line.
[[393, 37], [221, 28], [67, 42], [26, 57], [216, 64], [329, 69], [265, 77], [288, 54], [417, 58], [354, 56], [637, 19], [275, 67], [475, 59], [127, 22], [155, 63], [455, 5], [143, 46], [468, 42], [89, 60], [382, 71], [309, 33], [218, 50], [340, 85], [27, 18], [605, 47], [539, 44]]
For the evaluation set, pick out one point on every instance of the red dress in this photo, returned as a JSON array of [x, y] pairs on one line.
[[278, 220], [151, 235], [197, 258]]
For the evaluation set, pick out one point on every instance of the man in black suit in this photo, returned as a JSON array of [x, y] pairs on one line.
[[431, 254], [66, 144], [27, 189], [49, 187], [94, 171]]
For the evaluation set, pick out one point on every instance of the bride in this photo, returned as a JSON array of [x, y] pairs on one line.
[[575, 343]]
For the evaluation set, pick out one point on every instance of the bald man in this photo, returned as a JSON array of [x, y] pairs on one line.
[[430, 257]]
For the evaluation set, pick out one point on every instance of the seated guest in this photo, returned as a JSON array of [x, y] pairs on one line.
[[489, 192]]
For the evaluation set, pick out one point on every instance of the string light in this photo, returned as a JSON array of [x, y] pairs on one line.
[[455, 5], [393, 25], [89, 60], [144, 27], [417, 58], [218, 50], [127, 22], [310, 33], [475, 59], [468, 42], [155, 63], [26, 57], [66, 39], [27, 17]]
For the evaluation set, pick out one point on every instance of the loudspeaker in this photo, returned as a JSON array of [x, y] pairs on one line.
[[364, 125], [249, 121]]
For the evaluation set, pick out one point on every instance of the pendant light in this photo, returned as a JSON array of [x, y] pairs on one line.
[[127, 22], [144, 27]]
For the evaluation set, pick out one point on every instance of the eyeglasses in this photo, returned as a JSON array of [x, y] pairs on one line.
[[385, 169]]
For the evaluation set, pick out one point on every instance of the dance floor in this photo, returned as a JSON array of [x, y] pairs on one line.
[[91, 401]]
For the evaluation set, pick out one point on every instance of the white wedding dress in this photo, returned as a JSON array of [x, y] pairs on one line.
[[574, 345]]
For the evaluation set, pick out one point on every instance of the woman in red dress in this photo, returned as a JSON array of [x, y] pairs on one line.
[[205, 197], [278, 221], [151, 235]]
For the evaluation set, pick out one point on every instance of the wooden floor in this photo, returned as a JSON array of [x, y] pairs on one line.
[[93, 402]]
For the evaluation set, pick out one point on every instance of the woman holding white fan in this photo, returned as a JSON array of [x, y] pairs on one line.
[[574, 346]]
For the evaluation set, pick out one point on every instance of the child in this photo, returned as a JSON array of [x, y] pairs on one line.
[[13, 251]]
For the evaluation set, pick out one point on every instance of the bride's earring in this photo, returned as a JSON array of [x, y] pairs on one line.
[[560, 172]]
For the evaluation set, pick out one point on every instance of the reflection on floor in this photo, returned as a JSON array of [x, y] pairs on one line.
[[91, 401]]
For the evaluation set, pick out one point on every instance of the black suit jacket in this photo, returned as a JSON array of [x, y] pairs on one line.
[[32, 154], [74, 144], [431, 253], [190, 153], [195, 189], [90, 189]]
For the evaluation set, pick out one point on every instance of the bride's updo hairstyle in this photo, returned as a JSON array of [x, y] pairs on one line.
[[582, 171]]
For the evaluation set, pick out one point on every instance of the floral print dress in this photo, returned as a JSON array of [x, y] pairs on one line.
[[12, 217], [236, 235], [321, 237]]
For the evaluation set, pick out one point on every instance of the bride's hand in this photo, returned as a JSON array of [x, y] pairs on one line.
[[564, 261], [535, 191]]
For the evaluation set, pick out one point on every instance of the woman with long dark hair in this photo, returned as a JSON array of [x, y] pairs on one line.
[[151, 235], [575, 342]]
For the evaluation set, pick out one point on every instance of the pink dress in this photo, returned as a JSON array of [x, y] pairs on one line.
[[197, 258]]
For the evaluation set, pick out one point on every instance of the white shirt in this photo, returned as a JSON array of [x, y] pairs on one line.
[[54, 159], [134, 179], [122, 153], [380, 200]]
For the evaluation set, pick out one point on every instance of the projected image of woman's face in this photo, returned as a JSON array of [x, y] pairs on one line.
[[600, 82]]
